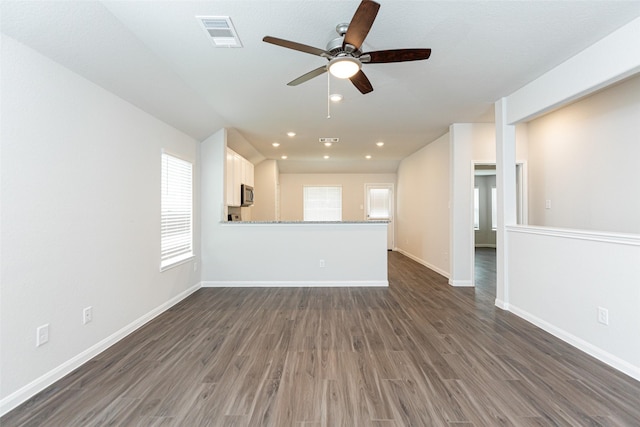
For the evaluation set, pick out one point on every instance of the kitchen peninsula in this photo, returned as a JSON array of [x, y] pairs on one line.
[[303, 222], [281, 253], [297, 253]]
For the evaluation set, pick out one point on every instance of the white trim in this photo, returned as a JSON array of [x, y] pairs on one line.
[[462, 283], [567, 233], [501, 304], [34, 387], [598, 353], [293, 283], [523, 200], [423, 262], [188, 258], [560, 86]]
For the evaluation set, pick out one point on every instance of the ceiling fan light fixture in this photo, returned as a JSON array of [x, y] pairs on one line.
[[344, 67]]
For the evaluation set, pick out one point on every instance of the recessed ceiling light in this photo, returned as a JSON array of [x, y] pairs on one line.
[[283, 157], [276, 144], [335, 97], [291, 134], [327, 144], [326, 157], [367, 157], [380, 143]]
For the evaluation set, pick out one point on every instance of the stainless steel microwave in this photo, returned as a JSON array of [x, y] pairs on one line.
[[246, 195]]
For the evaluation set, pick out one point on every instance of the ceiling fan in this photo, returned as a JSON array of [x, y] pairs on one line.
[[344, 54]]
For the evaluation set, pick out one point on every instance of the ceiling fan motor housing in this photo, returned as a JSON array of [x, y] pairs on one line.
[[334, 47]]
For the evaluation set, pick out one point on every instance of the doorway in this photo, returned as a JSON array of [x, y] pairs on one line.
[[484, 241], [380, 206]]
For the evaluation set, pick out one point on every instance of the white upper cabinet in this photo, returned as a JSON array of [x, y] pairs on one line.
[[239, 171], [248, 173]]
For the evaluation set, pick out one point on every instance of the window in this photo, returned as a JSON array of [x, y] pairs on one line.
[[379, 203], [176, 211], [494, 209], [322, 203], [476, 208]]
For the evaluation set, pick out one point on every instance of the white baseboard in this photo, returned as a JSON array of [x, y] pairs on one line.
[[501, 304], [461, 283], [423, 262], [600, 354], [34, 387], [294, 284]]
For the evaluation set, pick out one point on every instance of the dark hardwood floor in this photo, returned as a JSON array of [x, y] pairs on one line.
[[485, 270], [420, 353]]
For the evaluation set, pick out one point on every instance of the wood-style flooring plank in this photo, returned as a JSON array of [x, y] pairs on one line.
[[420, 353]]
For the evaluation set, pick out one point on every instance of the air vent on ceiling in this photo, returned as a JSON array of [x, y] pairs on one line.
[[220, 30], [328, 139]]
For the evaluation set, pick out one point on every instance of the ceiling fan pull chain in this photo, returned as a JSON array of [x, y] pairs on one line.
[[328, 95]]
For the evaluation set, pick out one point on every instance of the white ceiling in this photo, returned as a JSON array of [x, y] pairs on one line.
[[155, 55]]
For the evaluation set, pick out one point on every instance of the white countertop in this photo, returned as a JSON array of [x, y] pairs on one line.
[[306, 222]]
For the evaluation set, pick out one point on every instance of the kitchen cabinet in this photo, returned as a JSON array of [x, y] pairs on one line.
[[247, 173], [233, 178], [239, 171]]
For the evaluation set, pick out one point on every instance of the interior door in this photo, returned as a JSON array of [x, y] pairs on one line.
[[380, 206]]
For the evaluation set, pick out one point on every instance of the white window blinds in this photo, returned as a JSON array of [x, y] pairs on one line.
[[379, 203], [176, 211], [322, 203]]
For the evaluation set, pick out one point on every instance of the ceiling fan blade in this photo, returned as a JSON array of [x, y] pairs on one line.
[[296, 46], [308, 76], [396, 55], [361, 23], [361, 82]]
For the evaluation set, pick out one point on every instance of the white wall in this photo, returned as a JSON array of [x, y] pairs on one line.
[[557, 278], [422, 203], [266, 191], [605, 62], [353, 194], [571, 274], [236, 254], [80, 220], [584, 159], [469, 142]]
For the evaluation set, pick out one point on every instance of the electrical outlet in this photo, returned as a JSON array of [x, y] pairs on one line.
[[603, 315], [321, 263], [87, 315], [547, 204], [42, 335], [195, 267]]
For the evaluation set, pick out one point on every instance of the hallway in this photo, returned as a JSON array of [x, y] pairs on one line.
[[485, 270]]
